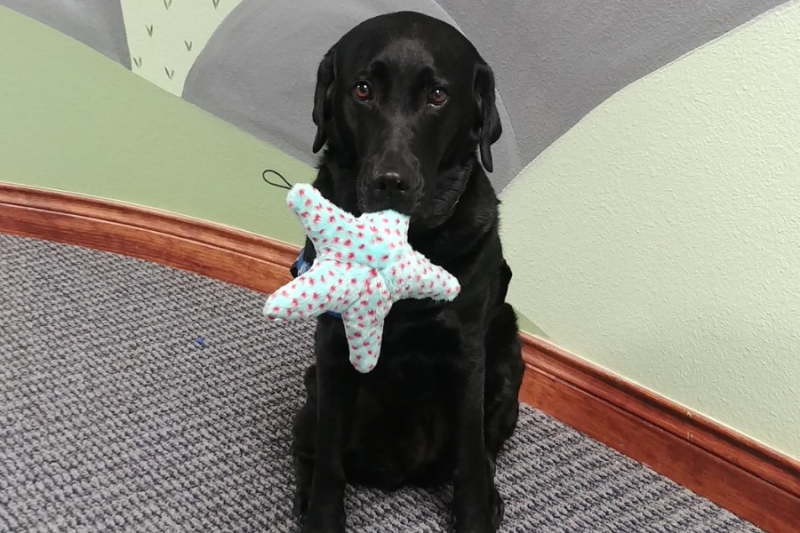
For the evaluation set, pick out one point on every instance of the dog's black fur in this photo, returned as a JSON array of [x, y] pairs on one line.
[[442, 399]]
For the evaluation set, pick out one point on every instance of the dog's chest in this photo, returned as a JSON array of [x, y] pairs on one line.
[[404, 378], [415, 362]]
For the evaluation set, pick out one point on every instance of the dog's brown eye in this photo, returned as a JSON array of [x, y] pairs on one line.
[[438, 96], [362, 91]]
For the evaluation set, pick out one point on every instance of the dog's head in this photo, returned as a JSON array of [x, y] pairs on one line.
[[405, 101]]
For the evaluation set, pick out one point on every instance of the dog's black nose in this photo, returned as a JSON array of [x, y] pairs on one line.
[[391, 190], [391, 183], [389, 187]]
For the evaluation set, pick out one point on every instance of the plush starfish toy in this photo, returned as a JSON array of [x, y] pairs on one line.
[[363, 265]]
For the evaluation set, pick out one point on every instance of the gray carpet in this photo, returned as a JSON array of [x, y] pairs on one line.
[[114, 417]]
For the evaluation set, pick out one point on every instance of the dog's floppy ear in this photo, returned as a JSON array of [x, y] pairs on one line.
[[323, 94], [488, 126]]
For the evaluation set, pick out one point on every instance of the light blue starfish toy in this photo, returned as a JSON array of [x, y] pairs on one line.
[[363, 265]]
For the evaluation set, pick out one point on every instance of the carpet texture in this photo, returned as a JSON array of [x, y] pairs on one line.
[[143, 399]]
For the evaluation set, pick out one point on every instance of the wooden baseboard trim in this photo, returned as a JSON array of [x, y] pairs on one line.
[[733, 471], [212, 250], [751, 480]]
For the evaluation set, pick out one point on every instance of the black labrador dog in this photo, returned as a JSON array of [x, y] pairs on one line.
[[403, 104]]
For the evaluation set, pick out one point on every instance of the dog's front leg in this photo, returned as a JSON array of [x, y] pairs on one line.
[[337, 388], [471, 482]]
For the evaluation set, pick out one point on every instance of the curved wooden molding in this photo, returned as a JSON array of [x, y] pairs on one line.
[[735, 472], [212, 250]]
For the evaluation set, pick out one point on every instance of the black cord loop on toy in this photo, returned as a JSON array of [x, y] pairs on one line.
[[285, 185]]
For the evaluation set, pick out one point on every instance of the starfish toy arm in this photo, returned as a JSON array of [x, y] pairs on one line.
[[326, 226], [417, 277], [363, 325], [317, 291]]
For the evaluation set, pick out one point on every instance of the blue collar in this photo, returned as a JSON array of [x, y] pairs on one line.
[[302, 268]]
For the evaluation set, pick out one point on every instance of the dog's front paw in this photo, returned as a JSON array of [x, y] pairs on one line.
[[483, 526], [300, 503], [328, 519], [318, 528], [321, 529], [483, 522], [497, 508]]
